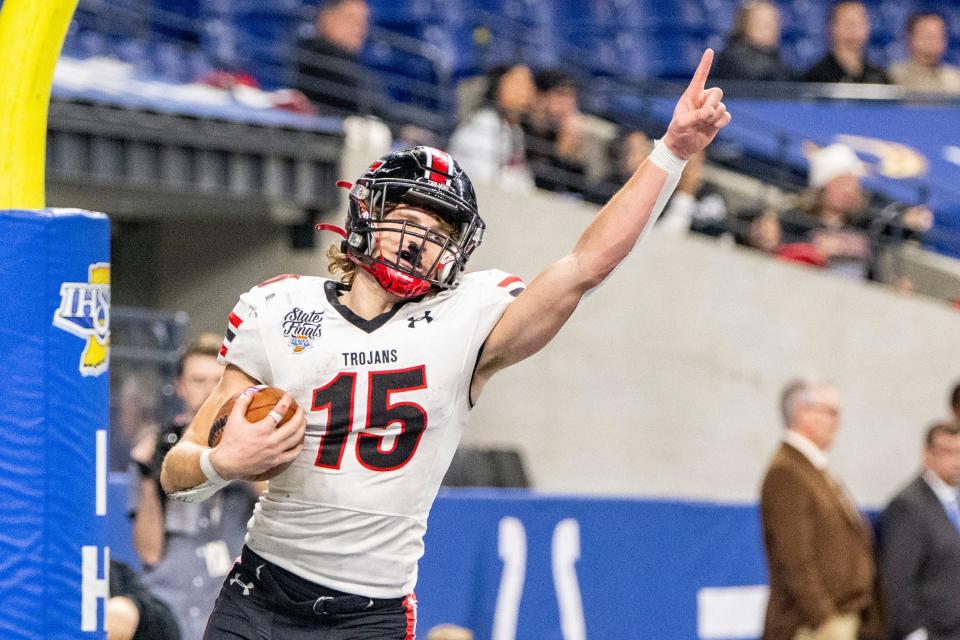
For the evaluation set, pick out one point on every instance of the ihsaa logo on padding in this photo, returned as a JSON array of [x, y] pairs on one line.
[[84, 311]]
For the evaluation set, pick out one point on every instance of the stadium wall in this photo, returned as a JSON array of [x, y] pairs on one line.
[[666, 381]]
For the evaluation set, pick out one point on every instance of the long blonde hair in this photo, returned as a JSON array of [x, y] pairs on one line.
[[339, 264]]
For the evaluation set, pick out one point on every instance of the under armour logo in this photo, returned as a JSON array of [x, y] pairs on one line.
[[414, 320], [246, 587]]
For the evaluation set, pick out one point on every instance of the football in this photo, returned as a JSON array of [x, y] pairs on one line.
[[264, 400]]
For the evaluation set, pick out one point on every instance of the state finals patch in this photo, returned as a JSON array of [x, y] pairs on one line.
[[301, 328]]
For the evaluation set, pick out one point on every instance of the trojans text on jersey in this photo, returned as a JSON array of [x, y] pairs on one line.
[[361, 358]]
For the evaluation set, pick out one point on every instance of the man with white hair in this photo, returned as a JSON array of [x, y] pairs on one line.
[[819, 548]]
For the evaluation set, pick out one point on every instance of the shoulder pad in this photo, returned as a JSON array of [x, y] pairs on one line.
[[269, 290]]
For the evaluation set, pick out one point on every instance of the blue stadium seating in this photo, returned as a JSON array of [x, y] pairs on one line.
[[635, 38], [436, 42]]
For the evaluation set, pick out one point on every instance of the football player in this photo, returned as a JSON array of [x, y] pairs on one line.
[[385, 366]]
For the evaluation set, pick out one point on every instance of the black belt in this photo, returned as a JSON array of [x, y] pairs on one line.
[[302, 597]]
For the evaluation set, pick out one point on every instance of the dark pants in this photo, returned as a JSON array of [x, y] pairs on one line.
[[261, 601]]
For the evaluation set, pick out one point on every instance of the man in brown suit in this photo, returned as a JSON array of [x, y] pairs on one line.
[[819, 547]]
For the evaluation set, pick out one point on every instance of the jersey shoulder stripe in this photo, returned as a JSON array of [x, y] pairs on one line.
[[513, 284], [501, 282]]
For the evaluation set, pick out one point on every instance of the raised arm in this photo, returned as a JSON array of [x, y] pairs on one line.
[[541, 310]]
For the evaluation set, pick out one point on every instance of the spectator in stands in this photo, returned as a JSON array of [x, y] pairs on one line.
[[132, 612], [695, 205], [762, 229], [823, 583], [759, 228], [839, 221], [490, 143], [847, 59], [925, 70], [752, 51], [328, 67], [554, 134], [187, 548], [838, 201], [920, 544], [625, 152], [628, 152]]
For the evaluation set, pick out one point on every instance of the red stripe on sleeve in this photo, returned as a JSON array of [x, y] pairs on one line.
[[235, 320], [223, 350], [509, 280]]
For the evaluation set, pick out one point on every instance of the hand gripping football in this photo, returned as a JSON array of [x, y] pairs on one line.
[[263, 401]]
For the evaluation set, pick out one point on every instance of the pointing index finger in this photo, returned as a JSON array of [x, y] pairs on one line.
[[699, 81]]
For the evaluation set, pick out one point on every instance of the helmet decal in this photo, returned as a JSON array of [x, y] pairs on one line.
[[438, 165]]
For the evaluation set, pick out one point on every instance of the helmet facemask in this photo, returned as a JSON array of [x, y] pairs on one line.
[[424, 257]]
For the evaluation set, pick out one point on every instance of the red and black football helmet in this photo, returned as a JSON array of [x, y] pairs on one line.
[[427, 179]]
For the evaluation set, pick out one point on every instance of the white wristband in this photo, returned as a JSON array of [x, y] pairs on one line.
[[198, 493], [666, 159], [207, 467]]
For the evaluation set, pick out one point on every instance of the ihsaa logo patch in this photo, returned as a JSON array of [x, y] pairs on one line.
[[84, 311]]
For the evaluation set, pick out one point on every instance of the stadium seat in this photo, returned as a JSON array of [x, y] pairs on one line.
[[136, 52], [720, 14], [809, 17]]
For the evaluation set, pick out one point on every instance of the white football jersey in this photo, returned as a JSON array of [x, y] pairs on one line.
[[386, 401]]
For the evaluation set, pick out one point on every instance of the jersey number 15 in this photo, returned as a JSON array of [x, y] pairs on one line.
[[337, 398]]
